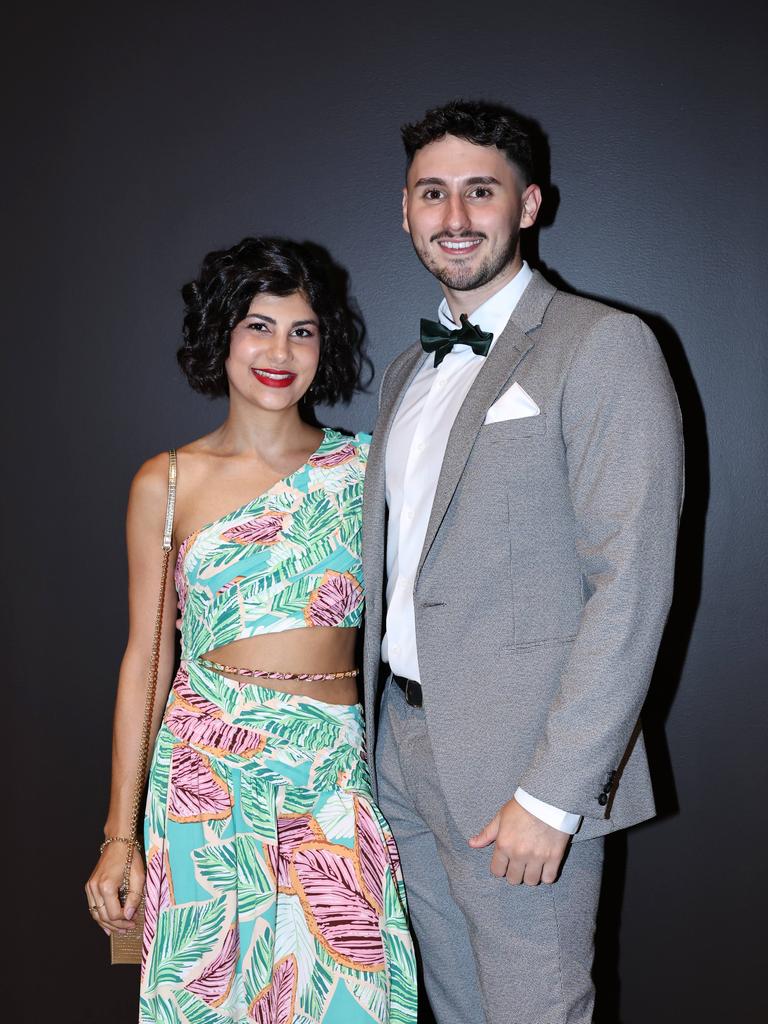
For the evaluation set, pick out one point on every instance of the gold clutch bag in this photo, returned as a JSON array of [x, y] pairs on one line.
[[126, 949]]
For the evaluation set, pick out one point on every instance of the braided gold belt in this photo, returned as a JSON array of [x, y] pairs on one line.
[[263, 673]]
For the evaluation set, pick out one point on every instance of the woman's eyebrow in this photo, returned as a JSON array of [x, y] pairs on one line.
[[261, 316]]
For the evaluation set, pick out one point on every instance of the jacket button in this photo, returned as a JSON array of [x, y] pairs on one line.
[[603, 799]]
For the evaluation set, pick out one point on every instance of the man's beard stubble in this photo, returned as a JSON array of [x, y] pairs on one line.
[[464, 280]]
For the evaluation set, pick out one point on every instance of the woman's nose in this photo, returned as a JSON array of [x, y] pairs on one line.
[[280, 347]]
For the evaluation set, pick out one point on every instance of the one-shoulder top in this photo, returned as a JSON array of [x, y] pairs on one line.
[[289, 558]]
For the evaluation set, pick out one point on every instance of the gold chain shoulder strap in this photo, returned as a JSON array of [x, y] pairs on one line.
[[149, 703]]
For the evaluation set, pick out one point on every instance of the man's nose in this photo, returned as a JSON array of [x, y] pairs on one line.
[[456, 216]]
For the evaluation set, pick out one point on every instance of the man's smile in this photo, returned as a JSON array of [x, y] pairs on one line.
[[459, 246]]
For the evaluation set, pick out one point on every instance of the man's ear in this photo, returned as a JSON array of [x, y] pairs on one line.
[[406, 225], [530, 203]]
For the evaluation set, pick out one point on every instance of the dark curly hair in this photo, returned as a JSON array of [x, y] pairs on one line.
[[485, 124], [220, 297]]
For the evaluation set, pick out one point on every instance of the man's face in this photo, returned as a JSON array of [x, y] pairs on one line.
[[464, 206]]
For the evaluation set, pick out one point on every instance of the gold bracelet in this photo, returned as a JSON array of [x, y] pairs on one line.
[[119, 839]]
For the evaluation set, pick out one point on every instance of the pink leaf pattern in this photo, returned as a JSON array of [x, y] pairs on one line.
[[337, 595], [214, 982], [335, 458], [212, 734], [232, 572], [394, 855], [371, 854], [292, 831], [196, 792], [179, 576], [184, 692], [338, 914], [158, 894], [262, 530], [275, 1003], [205, 956]]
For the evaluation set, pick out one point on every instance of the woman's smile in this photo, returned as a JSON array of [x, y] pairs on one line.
[[273, 378]]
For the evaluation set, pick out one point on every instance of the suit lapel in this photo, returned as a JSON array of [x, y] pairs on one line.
[[398, 378], [513, 343]]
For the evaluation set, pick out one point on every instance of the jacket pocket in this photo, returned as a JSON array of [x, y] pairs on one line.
[[516, 429], [556, 641]]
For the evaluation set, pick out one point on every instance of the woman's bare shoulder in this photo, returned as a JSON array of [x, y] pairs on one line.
[[149, 486]]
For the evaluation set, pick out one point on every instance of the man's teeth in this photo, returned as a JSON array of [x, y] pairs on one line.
[[460, 245]]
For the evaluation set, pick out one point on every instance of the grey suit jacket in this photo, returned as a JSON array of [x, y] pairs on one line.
[[547, 569]]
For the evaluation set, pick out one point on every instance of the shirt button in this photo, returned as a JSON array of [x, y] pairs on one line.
[[440, 384], [408, 513], [421, 445], [395, 648]]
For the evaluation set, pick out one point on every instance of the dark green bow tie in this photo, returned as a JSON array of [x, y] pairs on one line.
[[438, 339]]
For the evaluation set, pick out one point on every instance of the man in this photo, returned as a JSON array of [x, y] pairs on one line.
[[521, 507]]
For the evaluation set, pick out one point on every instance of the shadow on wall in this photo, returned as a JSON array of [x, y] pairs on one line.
[[338, 278], [688, 574]]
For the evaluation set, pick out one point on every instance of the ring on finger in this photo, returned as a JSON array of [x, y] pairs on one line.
[[97, 906]]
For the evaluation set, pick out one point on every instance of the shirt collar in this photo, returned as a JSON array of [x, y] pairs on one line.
[[495, 312]]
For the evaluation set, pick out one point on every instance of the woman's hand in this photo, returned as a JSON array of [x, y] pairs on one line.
[[103, 886]]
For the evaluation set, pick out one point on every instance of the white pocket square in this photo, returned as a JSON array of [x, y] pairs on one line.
[[514, 404]]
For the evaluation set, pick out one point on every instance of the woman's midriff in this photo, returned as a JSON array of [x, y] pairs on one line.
[[317, 649]]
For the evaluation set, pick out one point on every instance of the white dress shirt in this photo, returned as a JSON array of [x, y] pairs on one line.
[[414, 457]]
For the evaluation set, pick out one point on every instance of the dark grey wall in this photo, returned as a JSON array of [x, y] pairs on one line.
[[140, 137]]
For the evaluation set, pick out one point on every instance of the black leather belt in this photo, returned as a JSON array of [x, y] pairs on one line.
[[411, 689]]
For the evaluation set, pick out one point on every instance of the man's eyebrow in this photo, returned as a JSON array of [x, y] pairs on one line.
[[478, 180]]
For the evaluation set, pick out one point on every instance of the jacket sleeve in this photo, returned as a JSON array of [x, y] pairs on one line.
[[623, 440]]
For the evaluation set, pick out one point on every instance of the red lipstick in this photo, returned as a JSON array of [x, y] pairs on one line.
[[273, 378]]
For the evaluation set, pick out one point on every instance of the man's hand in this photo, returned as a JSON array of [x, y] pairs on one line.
[[527, 850]]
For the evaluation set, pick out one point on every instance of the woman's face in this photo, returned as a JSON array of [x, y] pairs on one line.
[[274, 351]]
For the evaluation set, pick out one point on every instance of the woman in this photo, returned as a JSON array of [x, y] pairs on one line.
[[273, 889]]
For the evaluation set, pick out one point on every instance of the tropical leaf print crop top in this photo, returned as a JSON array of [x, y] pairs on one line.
[[288, 558]]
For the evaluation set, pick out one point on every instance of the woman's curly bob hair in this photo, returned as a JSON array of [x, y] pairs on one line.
[[220, 297]]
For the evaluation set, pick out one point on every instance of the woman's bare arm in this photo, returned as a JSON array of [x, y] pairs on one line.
[[144, 527]]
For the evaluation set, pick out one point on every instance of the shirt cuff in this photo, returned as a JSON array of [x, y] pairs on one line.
[[552, 816]]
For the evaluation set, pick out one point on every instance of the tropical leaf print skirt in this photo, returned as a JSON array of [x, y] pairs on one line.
[[273, 891]]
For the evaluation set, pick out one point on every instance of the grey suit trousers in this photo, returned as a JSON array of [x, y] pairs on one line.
[[492, 953]]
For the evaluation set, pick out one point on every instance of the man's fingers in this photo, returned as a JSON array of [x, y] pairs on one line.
[[515, 871], [532, 873], [487, 835], [549, 874], [499, 863]]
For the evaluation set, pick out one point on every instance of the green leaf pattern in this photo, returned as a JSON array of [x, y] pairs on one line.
[[234, 590], [221, 874], [224, 875]]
